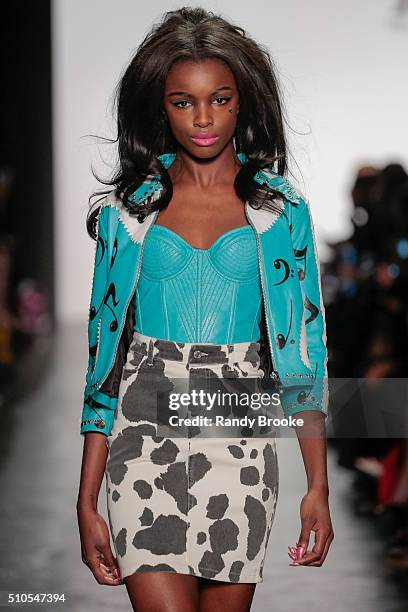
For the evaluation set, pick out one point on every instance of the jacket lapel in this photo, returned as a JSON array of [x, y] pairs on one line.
[[134, 229]]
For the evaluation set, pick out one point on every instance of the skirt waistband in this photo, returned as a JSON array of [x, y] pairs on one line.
[[196, 352]]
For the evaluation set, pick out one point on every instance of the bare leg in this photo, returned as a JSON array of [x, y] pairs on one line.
[[162, 592], [216, 596]]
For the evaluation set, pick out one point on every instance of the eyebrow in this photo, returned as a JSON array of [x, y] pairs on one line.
[[188, 95]]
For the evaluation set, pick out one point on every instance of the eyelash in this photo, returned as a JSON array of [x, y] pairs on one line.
[[226, 98]]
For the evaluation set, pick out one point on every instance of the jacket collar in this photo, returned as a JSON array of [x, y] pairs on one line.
[[152, 185]]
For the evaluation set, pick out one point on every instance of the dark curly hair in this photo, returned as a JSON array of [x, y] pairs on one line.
[[142, 132]]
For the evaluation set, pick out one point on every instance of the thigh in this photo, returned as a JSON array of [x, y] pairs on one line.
[[221, 596], [163, 592]]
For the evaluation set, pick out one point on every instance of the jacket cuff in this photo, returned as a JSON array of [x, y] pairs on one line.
[[297, 398], [101, 399], [98, 413]]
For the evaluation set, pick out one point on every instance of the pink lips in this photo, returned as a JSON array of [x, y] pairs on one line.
[[204, 141]]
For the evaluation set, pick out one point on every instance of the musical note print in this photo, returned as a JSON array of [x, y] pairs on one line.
[[92, 350], [102, 246], [94, 311], [281, 339], [114, 252], [102, 243], [303, 395], [111, 292], [300, 255], [278, 263], [314, 311]]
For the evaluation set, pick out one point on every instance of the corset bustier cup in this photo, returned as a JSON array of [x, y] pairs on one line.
[[187, 294]]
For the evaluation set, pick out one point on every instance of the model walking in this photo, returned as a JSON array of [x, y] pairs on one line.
[[205, 275]]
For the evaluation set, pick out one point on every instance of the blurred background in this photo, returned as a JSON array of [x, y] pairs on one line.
[[342, 66]]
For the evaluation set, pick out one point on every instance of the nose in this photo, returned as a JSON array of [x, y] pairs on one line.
[[203, 116]]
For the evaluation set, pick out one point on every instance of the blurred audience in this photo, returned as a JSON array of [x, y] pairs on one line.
[[24, 307], [365, 286]]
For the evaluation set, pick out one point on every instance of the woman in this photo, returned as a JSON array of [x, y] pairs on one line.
[[185, 297]]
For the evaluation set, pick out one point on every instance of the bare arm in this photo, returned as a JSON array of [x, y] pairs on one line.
[[94, 458], [94, 534], [313, 446], [314, 507]]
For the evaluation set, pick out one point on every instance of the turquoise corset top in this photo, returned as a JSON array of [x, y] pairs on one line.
[[187, 294]]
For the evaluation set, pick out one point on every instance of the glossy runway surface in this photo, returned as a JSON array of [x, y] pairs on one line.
[[40, 550]]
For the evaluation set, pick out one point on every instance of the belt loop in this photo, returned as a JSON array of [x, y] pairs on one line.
[[150, 354], [230, 353]]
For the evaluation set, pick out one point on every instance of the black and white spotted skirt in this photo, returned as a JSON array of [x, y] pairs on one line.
[[181, 502]]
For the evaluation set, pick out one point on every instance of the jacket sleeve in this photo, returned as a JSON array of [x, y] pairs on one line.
[[315, 397], [98, 408]]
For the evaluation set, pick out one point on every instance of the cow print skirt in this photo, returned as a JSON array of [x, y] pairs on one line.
[[181, 502]]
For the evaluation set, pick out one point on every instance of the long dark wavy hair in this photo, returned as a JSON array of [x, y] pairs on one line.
[[142, 131]]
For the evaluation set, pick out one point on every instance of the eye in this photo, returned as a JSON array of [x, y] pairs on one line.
[[180, 102], [225, 98], [221, 100]]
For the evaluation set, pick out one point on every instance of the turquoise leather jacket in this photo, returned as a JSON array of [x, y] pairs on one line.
[[294, 322]]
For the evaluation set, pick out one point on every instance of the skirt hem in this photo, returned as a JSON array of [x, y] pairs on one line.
[[241, 577]]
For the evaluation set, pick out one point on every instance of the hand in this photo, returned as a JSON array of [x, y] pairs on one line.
[[95, 547], [315, 516]]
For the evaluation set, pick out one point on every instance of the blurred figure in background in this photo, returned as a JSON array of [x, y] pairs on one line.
[[25, 320], [366, 292]]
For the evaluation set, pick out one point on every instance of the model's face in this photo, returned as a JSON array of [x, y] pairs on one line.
[[198, 97]]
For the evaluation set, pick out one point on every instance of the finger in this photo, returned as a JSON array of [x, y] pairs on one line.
[[111, 573], [303, 542], [109, 560], [325, 551], [99, 574], [315, 554], [107, 556]]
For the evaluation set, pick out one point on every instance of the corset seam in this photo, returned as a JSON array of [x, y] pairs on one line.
[[163, 293], [168, 277], [232, 312], [229, 278], [138, 313], [256, 317]]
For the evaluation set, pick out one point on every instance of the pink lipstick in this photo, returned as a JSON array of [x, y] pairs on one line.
[[204, 140]]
